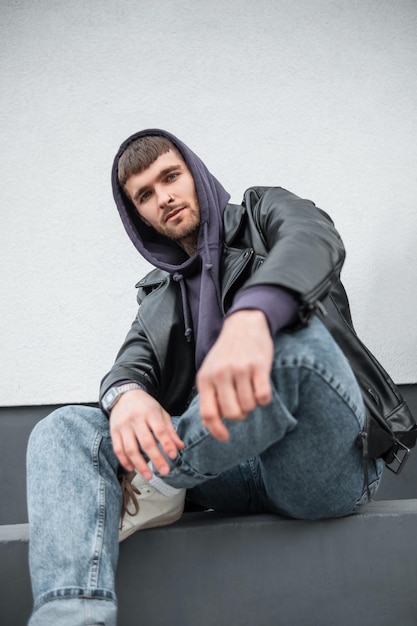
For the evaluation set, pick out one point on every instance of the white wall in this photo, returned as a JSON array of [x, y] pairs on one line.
[[318, 97]]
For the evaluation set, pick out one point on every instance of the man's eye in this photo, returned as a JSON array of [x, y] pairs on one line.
[[145, 196], [172, 176]]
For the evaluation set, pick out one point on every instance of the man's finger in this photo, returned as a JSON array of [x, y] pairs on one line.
[[210, 412], [245, 394], [217, 429], [178, 442], [120, 452], [149, 446], [262, 387], [222, 399], [131, 447], [164, 433]]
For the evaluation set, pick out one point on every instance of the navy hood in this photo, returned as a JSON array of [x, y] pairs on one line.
[[197, 276], [212, 197]]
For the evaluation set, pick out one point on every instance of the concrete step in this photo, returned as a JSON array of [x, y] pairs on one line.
[[216, 570]]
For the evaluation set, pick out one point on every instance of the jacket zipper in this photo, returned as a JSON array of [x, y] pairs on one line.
[[245, 258]]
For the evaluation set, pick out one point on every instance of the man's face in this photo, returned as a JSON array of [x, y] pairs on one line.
[[164, 195]]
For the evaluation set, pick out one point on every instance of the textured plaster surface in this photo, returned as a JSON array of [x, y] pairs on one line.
[[317, 97]]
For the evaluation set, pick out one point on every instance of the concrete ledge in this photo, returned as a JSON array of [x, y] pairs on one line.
[[215, 570], [14, 532], [15, 590]]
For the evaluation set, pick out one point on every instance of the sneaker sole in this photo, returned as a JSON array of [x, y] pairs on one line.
[[166, 520]]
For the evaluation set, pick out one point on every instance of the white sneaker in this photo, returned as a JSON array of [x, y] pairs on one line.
[[150, 507]]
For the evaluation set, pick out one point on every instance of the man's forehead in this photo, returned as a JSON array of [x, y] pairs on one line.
[[167, 158], [165, 163]]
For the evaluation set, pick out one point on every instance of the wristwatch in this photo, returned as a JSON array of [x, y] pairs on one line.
[[113, 394]]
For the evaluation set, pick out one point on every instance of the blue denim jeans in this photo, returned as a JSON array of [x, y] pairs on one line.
[[298, 457]]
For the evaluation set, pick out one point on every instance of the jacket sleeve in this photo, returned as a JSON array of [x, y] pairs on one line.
[[303, 251], [135, 362], [153, 353]]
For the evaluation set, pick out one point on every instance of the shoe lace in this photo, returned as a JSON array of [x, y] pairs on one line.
[[129, 493]]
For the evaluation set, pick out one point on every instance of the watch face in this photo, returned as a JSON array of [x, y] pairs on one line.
[[109, 398]]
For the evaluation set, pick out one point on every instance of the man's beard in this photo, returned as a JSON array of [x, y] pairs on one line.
[[186, 235], [190, 232], [189, 240]]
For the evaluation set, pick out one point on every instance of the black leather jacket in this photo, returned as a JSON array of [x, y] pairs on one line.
[[273, 238]]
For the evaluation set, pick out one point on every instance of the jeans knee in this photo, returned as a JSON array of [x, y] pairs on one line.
[[64, 425], [68, 439], [39, 434], [45, 436], [49, 427]]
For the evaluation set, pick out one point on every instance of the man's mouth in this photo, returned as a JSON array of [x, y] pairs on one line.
[[173, 213]]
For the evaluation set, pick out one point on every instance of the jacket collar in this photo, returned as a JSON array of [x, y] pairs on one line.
[[232, 220]]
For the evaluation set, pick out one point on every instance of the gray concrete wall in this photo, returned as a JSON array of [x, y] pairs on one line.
[[318, 97]]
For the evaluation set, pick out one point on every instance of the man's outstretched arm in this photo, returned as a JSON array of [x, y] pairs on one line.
[[235, 375], [233, 379]]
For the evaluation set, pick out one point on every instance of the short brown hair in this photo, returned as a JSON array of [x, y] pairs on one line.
[[141, 153]]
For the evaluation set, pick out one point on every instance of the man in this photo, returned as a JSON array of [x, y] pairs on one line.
[[229, 390]]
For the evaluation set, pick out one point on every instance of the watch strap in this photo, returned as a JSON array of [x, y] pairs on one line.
[[113, 394], [127, 387]]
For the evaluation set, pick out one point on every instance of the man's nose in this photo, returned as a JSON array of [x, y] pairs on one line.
[[164, 198]]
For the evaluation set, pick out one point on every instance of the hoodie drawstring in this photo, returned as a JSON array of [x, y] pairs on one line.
[[209, 264], [179, 278]]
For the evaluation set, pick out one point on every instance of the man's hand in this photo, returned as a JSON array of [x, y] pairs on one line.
[[138, 419], [235, 375]]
